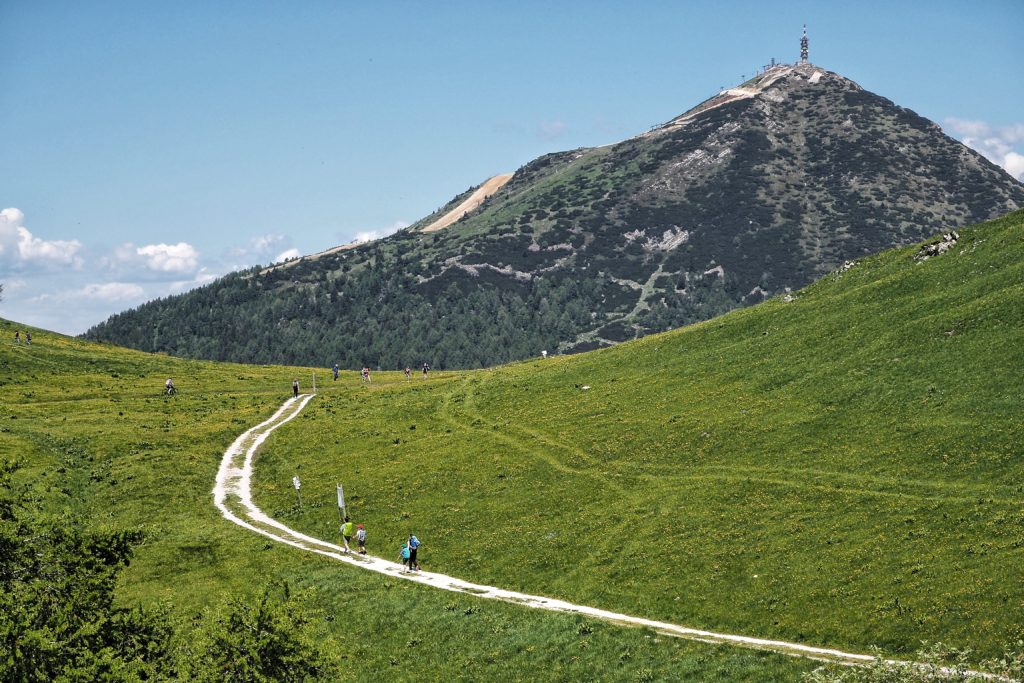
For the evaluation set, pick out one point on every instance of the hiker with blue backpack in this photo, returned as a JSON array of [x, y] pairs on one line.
[[414, 544]]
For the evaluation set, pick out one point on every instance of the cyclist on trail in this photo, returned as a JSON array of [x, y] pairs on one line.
[[169, 387]]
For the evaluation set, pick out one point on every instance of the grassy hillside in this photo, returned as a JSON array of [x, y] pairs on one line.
[[100, 448], [844, 468]]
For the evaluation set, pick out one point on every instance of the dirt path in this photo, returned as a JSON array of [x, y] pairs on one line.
[[233, 497], [474, 200]]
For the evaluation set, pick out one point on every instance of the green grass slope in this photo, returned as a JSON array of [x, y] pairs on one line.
[[100, 448], [842, 469]]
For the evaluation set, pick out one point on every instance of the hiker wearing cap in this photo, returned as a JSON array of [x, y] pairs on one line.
[[361, 539], [347, 529], [403, 555]]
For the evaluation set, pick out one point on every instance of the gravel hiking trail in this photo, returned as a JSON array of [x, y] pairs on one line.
[[233, 497]]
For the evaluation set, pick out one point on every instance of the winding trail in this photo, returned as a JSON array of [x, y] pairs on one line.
[[233, 497]]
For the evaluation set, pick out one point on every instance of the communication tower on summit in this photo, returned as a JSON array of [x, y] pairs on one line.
[[803, 47]]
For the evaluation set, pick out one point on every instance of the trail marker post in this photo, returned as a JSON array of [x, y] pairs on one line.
[[297, 484], [341, 504], [314, 382]]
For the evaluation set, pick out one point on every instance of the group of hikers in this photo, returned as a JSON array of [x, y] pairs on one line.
[[169, 384], [364, 374], [28, 338], [348, 529], [406, 554]]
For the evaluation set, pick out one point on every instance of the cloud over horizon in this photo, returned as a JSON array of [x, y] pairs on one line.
[[261, 250], [19, 248], [371, 235], [63, 286], [1003, 145]]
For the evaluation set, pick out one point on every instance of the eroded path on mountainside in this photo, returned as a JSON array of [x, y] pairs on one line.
[[233, 497]]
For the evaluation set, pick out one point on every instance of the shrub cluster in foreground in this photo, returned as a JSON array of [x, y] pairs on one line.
[[59, 619]]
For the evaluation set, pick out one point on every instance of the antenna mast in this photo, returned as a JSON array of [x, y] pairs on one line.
[[803, 47]]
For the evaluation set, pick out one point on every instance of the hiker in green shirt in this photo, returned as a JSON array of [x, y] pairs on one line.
[[347, 529]]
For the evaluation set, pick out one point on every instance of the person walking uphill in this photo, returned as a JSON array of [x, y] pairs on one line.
[[347, 531], [403, 555], [336, 370], [414, 545], [295, 388], [361, 539]]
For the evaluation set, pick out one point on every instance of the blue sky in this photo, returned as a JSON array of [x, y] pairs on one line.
[[148, 148]]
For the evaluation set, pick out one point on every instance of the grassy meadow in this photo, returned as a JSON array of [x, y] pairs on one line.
[[101, 448], [842, 469]]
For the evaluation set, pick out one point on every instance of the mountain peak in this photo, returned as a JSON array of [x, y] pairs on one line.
[[761, 188], [773, 84]]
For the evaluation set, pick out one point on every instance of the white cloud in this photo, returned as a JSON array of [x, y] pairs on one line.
[[287, 254], [153, 261], [371, 235], [20, 248], [1014, 163], [998, 145], [111, 291], [261, 249], [104, 291], [12, 286], [170, 258], [549, 130]]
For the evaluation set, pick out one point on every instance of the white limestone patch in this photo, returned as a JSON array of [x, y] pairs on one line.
[[669, 240]]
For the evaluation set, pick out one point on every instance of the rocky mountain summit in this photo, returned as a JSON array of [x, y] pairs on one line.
[[759, 189]]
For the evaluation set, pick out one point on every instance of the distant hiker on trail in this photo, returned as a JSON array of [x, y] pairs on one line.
[[544, 354], [347, 531], [408, 372], [426, 369], [336, 369], [403, 555], [28, 339], [414, 545], [295, 388], [361, 539], [169, 387], [17, 337]]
